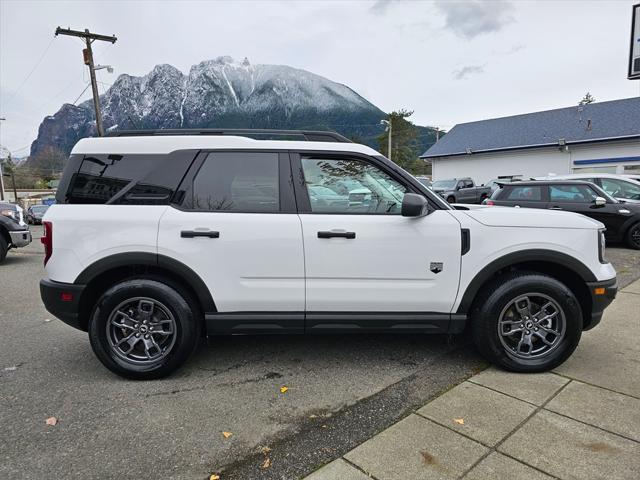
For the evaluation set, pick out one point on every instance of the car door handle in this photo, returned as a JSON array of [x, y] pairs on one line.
[[199, 233], [332, 234], [555, 208]]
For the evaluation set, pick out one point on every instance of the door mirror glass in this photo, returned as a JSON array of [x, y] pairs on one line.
[[414, 205], [599, 202]]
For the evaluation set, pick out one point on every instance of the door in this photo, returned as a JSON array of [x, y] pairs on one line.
[[580, 199], [366, 257], [237, 228]]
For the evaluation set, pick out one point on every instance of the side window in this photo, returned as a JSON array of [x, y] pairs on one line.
[[525, 193], [100, 177], [351, 186], [236, 182], [571, 193], [468, 184], [617, 188], [460, 185]]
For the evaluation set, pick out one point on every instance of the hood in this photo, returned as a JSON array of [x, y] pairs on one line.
[[531, 217]]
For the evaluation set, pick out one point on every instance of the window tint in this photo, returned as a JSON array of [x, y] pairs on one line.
[[236, 182], [621, 189], [104, 178], [351, 186], [525, 193], [571, 193]]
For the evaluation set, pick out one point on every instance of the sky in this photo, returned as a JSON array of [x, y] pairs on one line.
[[448, 61]]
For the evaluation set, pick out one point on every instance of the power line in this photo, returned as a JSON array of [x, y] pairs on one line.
[[12, 96]]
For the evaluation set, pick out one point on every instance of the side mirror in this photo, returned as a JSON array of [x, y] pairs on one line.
[[599, 202], [414, 205]]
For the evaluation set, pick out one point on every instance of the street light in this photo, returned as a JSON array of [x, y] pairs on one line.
[[100, 67], [389, 129]]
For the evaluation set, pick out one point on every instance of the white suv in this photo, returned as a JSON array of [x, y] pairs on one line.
[[158, 238]]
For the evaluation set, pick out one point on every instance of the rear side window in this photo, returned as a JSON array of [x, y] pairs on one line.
[[244, 182], [527, 193], [123, 179]]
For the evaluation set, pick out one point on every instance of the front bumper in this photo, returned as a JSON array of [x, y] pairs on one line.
[[63, 301], [602, 294], [20, 238]]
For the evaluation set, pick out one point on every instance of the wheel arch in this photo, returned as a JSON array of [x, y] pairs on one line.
[[568, 270], [107, 271]]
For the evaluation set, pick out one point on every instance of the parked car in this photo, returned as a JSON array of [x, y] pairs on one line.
[[460, 190], [495, 183], [14, 211], [635, 178], [12, 234], [151, 245], [621, 219], [35, 214], [615, 185], [426, 181]]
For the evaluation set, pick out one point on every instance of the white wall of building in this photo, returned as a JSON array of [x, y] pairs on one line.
[[483, 167]]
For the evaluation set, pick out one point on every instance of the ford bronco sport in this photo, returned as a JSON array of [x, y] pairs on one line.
[[158, 238]]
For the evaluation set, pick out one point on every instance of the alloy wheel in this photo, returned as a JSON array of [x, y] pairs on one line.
[[141, 330], [531, 326]]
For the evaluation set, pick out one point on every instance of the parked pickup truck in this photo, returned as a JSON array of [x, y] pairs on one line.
[[460, 190], [12, 234]]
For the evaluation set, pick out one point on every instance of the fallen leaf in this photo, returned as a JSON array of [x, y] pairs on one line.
[[266, 464], [313, 416], [52, 421], [265, 450], [284, 389], [214, 477], [226, 434], [459, 421]]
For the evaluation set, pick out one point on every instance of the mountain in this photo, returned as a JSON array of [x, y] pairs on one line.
[[215, 94]]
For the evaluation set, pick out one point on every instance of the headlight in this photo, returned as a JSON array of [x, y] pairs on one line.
[[601, 246]]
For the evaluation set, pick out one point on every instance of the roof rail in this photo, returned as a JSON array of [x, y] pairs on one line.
[[307, 135]]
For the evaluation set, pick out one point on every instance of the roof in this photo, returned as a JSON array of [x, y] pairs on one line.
[[595, 122], [169, 143]]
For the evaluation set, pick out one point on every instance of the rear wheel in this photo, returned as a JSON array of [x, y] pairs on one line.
[[633, 236], [143, 329], [451, 199], [527, 322]]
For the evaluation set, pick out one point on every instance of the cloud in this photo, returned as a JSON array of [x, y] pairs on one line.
[[464, 72], [379, 7], [473, 17]]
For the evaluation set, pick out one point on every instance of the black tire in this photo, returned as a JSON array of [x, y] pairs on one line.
[[4, 247], [451, 199], [168, 302], [633, 236], [494, 303]]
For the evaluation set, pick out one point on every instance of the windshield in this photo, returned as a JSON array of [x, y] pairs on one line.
[[444, 184]]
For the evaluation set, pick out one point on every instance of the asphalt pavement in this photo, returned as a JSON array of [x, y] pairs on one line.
[[341, 390]]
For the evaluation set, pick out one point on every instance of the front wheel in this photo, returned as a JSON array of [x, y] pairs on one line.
[[527, 322], [451, 199], [143, 329], [633, 236]]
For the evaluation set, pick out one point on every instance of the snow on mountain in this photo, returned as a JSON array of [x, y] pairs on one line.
[[216, 93]]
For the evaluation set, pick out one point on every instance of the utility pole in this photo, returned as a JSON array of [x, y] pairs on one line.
[[437, 134], [389, 129], [88, 60], [1, 177]]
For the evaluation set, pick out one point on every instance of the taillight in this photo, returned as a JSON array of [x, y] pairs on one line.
[[47, 241]]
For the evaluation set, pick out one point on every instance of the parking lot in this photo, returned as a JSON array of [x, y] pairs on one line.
[[341, 390]]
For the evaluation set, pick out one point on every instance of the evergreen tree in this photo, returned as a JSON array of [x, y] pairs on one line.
[[404, 139], [588, 98]]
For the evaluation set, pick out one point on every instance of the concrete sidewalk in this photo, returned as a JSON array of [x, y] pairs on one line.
[[580, 422]]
